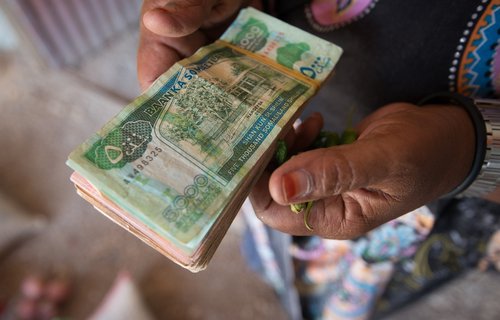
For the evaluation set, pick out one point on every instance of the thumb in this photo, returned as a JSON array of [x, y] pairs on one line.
[[177, 19], [322, 173]]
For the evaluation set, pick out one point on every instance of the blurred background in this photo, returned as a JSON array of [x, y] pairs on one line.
[[66, 67]]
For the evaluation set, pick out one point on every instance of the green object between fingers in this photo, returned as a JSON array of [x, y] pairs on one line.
[[281, 152], [306, 215], [332, 139], [348, 136], [298, 207]]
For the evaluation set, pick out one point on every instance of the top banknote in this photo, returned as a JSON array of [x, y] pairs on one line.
[[184, 154], [287, 45]]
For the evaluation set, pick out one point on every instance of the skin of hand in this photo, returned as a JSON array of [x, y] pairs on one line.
[[171, 30], [405, 156]]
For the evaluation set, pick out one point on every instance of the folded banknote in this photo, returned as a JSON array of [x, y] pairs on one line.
[[176, 164]]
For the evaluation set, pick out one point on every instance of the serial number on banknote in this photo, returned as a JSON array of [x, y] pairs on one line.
[[142, 163]]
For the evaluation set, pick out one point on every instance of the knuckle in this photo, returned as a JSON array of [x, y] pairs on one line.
[[343, 219], [336, 174]]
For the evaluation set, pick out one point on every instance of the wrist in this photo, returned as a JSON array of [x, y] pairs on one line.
[[475, 119], [455, 155]]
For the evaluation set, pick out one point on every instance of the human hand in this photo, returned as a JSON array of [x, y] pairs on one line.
[[171, 30], [405, 157]]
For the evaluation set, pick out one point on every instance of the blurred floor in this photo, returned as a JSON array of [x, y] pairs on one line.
[[44, 115]]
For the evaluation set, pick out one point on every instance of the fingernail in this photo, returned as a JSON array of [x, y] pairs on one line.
[[297, 123], [296, 184]]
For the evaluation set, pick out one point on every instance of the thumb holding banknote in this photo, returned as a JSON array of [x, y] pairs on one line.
[[173, 29], [405, 157]]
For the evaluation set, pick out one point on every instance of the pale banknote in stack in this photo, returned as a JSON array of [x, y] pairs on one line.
[[176, 164]]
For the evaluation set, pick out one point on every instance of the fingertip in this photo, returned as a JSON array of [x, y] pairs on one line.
[[315, 121], [290, 138], [152, 20], [276, 188], [159, 22], [283, 186], [291, 186], [307, 131], [297, 123], [317, 116], [164, 23]]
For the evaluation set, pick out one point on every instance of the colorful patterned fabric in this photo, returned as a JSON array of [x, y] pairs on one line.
[[475, 69], [458, 242], [326, 15], [347, 277]]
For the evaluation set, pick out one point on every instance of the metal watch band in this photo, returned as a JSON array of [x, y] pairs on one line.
[[489, 176]]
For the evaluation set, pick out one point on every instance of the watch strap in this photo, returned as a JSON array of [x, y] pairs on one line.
[[489, 176]]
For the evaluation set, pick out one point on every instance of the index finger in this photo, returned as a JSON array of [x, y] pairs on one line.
[[153, 58], [157, 54]]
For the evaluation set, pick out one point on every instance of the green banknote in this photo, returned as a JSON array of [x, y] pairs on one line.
[[283, 43], [179, 154]]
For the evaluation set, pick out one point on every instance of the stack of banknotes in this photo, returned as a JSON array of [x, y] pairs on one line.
[[175, 166]]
